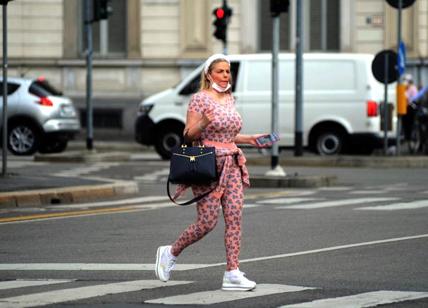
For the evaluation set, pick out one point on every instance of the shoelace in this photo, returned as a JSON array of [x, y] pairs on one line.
[[170, 265]]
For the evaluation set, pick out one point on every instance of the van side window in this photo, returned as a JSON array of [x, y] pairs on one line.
[[193, 85], [11, 88]]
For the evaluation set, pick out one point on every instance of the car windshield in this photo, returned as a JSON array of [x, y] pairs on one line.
[[42, 88]]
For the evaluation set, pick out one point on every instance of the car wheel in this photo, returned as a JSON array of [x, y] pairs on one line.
[[23, 139], [168, 138], [53, 146], [329, 142]]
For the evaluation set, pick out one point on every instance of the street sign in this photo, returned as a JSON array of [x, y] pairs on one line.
[[401, 61], [378, 66], [404, 3]]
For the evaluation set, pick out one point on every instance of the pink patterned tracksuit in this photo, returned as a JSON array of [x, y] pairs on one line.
[[228, 193]]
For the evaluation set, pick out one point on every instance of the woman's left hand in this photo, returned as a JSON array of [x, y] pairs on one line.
[[254, 142]]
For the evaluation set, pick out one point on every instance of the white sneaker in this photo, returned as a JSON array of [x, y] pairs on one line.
[[165, 262], [236, 281]]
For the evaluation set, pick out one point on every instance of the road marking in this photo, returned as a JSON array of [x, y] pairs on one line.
[[83, 213], [276, 194], [335, 188], [397, 206], [76, 172], [20, 283], [219, 296], [335, 203], [152, 176], [286, 200], [369, 299], [73, 294], [367, 192], [184, 267], [92, 267], [111, 202]]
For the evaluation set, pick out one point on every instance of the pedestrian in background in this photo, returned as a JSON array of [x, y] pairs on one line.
[[213, 120], [409, 117]]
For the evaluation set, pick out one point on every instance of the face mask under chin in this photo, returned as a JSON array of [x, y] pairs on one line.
[[219, 88]]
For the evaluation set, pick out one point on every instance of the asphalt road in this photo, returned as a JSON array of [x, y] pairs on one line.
[[362, 242]]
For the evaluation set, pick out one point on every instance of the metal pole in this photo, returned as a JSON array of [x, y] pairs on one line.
[[225, 33], [385, 105], [4, 134], [400, 6], [89, 116], [298, 131], [275, 88]]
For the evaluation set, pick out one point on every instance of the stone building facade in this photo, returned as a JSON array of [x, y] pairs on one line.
[[149, 45]]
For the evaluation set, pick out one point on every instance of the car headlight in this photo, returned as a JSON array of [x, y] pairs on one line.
[[144, 109]]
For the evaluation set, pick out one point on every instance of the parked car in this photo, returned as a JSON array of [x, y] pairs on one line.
[[39, 117], [341, 101]]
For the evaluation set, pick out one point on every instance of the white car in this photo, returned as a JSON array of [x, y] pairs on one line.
[[39, 117]]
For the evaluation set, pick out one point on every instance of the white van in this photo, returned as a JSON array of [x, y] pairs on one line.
[[340, 103]]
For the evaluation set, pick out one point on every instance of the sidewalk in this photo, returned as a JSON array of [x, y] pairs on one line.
[[32, 190]]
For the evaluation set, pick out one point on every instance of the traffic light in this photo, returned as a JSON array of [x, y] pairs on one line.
[[222, 16], [102, 9], [279, 6]]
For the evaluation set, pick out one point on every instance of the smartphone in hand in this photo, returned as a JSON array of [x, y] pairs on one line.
[[267, 139]]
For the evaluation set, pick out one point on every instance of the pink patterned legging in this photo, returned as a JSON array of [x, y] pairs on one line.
[[232, 202]]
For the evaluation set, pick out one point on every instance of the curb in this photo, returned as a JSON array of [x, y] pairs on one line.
[[296, 181], [35, 198]]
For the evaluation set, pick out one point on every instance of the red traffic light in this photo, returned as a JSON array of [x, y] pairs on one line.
[[219, 13]]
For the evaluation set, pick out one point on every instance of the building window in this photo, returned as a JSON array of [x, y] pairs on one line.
[[265, 35], [110, 35], [324, 25]]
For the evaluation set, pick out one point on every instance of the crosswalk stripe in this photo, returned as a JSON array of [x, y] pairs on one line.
[[219, 296], [335, 203], [14, 284], [397, 206], [286, 200], [369, 299], [92, 267], [66, 295]]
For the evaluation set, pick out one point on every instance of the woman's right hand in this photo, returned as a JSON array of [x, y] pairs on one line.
[[207, 117]]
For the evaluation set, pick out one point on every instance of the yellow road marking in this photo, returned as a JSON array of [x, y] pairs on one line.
[[70, 214]]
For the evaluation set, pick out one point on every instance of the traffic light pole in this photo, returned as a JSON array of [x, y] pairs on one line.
[[89, 50], [4, 133], [298, 130], [399, 118], [276, 169]]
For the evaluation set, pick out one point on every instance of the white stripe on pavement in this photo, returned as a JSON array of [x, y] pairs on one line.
[[20, 283], [184, 267], [369, 299], [73, 294], [335, 203], [219, 296], [397, 206], [112, 202], [286, 200], [91, 267]]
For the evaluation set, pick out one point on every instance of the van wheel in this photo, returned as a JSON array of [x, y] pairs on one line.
[[168, 138], [329, 142], [23, 139]]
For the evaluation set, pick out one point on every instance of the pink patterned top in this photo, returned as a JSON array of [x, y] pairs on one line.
[[227, 123]]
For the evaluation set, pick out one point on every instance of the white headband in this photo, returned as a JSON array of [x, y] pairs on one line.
[[213, 58]]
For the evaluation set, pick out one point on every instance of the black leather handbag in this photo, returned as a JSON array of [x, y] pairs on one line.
[[192, 165]]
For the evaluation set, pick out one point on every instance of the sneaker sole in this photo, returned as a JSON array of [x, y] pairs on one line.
[[158, 257]]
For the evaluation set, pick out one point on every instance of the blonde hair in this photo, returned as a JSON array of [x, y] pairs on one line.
[[205, 83]]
